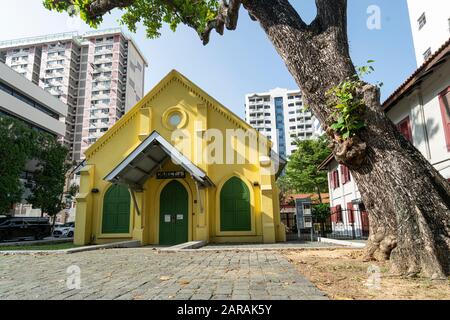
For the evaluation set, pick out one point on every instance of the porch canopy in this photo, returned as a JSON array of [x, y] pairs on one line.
[[145, 161]]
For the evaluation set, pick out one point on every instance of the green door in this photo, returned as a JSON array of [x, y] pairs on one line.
[[235, 206], [173, 225], [116, 210]]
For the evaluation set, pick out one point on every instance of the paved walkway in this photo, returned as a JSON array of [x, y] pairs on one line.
[[148, 274], [275, 246]]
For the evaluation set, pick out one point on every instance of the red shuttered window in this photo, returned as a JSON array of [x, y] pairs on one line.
[[404, 127], [345, 174], [335, 179], [350, 213], [338, 213], [444, 101], [333, 214]]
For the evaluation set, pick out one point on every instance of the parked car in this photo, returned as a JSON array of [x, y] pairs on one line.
[[12, 228], [64, 230]]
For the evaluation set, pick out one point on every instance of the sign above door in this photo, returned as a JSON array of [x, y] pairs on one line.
[[171, 175]]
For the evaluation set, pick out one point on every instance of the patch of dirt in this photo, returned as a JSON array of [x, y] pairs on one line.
[[342, 275]]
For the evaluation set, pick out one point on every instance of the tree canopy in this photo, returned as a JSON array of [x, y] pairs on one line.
[[49, 179], [16, 147], [302, 173], [21, 144], [201, 15]]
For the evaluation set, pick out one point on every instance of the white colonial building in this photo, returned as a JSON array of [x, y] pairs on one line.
[[420, 108], [430, 24]]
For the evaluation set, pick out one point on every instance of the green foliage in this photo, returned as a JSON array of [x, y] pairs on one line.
[[49, 179], [16, 148], [19, 144], [321, 212], [348, 106], [302, 173], [151, 13]]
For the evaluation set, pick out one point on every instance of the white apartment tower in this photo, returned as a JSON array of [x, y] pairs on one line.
[[99, 75], [430, 23], [280, 115]]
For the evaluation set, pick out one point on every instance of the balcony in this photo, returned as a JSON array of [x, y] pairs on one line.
[[23, 60], [103, 51], [53, 83], [56, 57]]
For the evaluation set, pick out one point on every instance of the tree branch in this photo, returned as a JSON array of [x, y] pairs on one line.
[[98, 8], [330, 14], [227, 16]]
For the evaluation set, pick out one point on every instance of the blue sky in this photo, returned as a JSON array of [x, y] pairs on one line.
[[241, 61]]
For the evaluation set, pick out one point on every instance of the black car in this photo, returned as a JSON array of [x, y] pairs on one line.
[[20, 228]]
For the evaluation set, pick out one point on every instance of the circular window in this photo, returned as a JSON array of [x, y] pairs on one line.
[[175, 119]]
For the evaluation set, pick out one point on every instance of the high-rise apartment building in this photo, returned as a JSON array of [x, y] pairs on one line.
[[99, 75], [280, 115], [430, 23]]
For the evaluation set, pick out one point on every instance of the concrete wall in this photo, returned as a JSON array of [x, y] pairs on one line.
[[20, 109]]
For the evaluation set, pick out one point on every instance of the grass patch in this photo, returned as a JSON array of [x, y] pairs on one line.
[[44, 247]]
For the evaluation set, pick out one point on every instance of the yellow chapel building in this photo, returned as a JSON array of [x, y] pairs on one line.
[[179, 167]]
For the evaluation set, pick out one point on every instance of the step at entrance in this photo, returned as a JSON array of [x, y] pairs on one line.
[[186, 245]]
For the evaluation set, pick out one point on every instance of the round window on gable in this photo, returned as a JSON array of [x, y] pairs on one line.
[[175, 119]]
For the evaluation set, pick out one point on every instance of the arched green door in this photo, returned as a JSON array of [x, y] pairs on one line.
[[235, 206], [116, 210], [173, 218]]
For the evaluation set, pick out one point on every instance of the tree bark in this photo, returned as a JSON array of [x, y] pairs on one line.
[[407, 199], [319, 194]]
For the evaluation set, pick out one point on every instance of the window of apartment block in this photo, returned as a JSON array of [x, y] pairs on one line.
[[444, 101], [404, 127], [427, 54], [422, 21]]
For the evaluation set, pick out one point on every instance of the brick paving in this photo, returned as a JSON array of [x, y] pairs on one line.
[[144, 273]]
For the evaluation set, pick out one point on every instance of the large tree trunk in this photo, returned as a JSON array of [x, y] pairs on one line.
[[407, 199]]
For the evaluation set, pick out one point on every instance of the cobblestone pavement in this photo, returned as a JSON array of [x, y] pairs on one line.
[[148, 274]]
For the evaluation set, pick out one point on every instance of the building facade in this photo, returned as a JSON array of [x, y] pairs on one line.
[[152, 178], [420, 108], [430, 24], [280, 115], [99, 75], [23, 100]]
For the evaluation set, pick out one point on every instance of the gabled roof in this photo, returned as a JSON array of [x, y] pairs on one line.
[[436, 59], [147, 159], [173, 75], [326, 162]]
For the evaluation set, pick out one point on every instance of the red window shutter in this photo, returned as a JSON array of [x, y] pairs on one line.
[[349, 177], [333, 214], [332, 180], [345, 174], [404, 127], [338, 213], [444, 101], [350, 212], [337, 179]]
